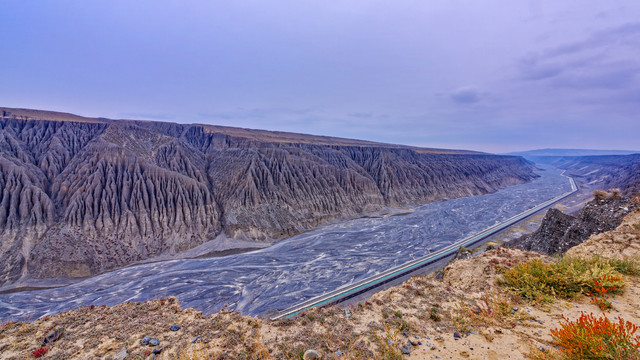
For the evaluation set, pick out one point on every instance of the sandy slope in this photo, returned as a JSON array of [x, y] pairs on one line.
[[618, 243], [360, 333]]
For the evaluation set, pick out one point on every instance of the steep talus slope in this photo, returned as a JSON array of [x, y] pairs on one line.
[[81, 196], [559, 232]]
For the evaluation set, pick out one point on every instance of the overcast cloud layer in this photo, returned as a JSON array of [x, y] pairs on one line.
[[493, 75]]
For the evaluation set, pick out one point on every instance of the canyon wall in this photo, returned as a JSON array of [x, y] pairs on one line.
[[600, 171], [81, 195]]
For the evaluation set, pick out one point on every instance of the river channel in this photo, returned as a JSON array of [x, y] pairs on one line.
[[298, 268]]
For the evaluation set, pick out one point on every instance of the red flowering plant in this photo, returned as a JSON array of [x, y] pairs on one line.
[[597, 338], [40, 352], [600, 296]]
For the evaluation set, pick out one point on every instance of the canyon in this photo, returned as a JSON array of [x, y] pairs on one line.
[[606, 170], [82, 196]]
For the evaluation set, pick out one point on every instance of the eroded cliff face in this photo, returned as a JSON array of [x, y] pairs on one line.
[[80, 196], [609, 172], [601, 172]]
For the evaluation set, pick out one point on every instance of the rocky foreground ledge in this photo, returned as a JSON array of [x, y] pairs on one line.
[[469, 313]]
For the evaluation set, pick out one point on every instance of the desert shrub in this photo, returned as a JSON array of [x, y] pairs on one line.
[[539, 281], [463, 249], [606, 195], [496, 308], [496, 305], [615, 193], [433, 314], [597, 338], [583, 271], [388, 343], [628, 266], [600, 195]]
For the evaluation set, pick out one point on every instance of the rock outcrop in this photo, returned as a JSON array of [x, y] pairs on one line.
[[81, 196], [559, 232]]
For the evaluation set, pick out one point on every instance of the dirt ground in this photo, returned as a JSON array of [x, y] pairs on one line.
[[463, 315]]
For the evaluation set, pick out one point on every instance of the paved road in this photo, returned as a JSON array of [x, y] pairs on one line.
[[305, 266], [365, 285]]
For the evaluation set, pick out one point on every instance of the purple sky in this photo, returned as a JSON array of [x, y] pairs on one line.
[[485, 75]]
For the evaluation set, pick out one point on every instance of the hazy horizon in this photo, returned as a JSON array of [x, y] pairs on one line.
[[496, 76]]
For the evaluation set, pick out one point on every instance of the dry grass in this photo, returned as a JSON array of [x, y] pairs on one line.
[[604, 195], [491, 309], [466, 300]]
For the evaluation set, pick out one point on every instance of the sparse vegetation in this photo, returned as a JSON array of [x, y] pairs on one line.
[[387, 343], [433, 314], [496, 308], [600, 297], [7, 324], [541, 281], [607, 195], [421, 316], [463, 249], [627, 266], [600, 194]]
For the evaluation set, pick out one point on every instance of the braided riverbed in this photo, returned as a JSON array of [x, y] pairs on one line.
[[298, 268]]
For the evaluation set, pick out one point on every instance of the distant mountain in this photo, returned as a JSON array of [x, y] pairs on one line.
[[81, 195], [571, 152]]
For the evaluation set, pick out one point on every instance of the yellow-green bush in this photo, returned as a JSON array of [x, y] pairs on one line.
[[540, 281]]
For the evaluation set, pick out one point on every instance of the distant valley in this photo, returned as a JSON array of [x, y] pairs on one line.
[[86, 195], [571, 152], [600, 171]]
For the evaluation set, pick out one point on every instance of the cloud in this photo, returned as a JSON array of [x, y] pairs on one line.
[[605, 76], [620, 35], [606, 59], [465, 95], [533, 68], [361, 115]]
